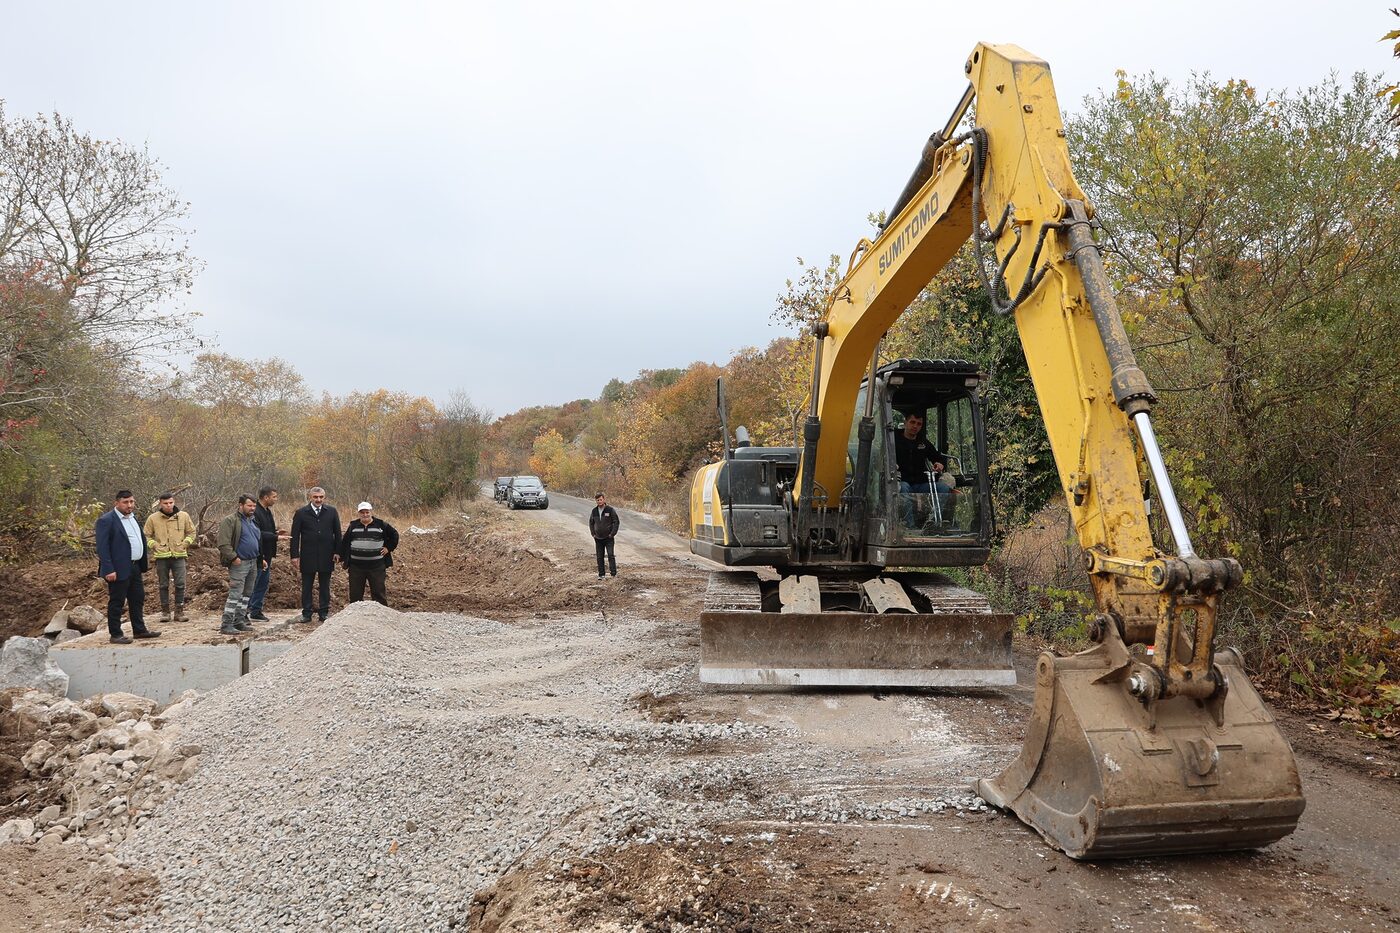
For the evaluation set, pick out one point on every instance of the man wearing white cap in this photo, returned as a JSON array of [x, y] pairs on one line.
[[367, 551]]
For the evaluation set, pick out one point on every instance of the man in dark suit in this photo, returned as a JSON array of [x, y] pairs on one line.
[[315, 548], [121, 560]]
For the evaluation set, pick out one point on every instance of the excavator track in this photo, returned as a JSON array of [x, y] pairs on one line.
[[952, 639]]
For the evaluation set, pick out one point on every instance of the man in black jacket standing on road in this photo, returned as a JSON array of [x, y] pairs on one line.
[[367, 551], [315, 548], [267, 525], [603, 525]]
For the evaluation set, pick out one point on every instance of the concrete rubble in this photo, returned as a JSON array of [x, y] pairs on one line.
[[68, 624], [25, 662], [84, 620], [115, 758]]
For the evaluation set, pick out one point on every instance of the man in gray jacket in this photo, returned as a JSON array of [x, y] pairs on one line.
[[240, 550]]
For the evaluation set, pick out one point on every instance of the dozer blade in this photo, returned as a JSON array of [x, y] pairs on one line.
[[741, 644], [1098, 778]]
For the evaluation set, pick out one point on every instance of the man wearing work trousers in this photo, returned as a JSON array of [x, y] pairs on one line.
[[603, 524], [169, 534], [240, 550], [315, 548]]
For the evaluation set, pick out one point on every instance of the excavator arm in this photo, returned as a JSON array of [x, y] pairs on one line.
[[1012, 174], [1130, 751]]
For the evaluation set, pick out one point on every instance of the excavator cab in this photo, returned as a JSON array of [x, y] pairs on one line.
[[835, 612], [928, 477]]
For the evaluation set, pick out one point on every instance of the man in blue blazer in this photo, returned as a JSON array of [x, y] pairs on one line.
[[121, 560]]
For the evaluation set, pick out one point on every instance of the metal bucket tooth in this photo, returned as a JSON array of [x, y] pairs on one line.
[[741, 644], [1101, 776]]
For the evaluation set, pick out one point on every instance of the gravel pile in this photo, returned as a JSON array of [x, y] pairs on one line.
[[395, 763]]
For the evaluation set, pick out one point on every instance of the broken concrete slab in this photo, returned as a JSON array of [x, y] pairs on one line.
[[59, 623], [116, 703], [25, 662]]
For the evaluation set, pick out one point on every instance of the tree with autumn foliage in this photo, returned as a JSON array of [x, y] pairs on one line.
[[1391, 92], [562, 464], [1254, 238], [92, 252], [768, 389], [96, 218]]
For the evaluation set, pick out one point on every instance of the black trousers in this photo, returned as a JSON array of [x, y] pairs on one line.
[[374, 576], [130, 593], [308, 574], [605, 546]]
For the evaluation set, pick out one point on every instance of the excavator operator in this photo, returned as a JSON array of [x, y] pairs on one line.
[[920, 464]]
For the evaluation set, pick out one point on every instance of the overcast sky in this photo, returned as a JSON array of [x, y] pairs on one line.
[[523, 200]]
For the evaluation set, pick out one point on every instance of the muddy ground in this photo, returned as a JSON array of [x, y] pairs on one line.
[[953, 869], [810, 856]]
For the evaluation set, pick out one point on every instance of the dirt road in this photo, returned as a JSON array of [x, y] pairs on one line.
[[525, 747], [861, 835], [641, 541]]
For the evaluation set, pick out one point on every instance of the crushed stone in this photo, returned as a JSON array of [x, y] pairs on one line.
[[395, 763]]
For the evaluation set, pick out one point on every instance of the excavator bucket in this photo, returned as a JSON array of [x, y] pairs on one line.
[[1101, 775], [892, 632]]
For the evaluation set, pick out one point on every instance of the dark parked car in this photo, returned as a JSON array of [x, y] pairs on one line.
[[526, 492], [502, 483]]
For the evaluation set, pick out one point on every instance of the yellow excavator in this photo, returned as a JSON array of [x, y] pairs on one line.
[[1152, 741]]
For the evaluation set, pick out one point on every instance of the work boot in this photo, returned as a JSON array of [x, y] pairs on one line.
[[164, 613], [243, 625], [120, 640], [180, 614], [148, 633], [228, 628]]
